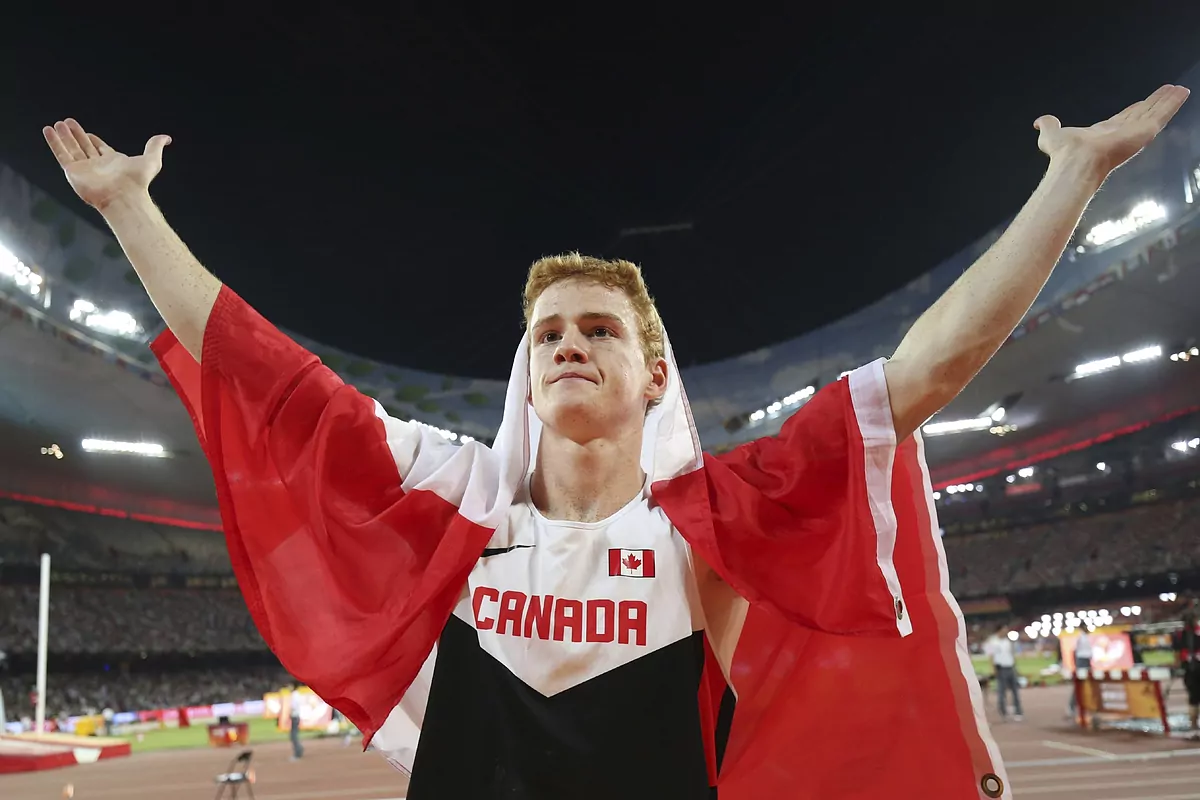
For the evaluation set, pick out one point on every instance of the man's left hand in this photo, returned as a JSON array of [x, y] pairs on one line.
[[1109, 144]]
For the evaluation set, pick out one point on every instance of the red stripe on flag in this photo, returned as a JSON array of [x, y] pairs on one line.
[[647, 563], [614, 563]]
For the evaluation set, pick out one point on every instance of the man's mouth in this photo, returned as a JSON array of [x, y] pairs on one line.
[[574, 376]]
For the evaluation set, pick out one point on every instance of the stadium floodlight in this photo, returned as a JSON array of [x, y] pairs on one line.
[[149, 449], [1144, 354], [1126, 611], [1100, 465], [1142, 215], [998, 414], [1025, 472], [18, 274], [957, 426], [1097, 366], [119, 323], [1135, 610], [1013, 636]]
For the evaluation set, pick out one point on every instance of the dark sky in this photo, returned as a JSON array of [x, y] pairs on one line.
[[382, 180]]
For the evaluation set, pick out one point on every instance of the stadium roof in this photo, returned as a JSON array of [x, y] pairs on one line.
[[61, 381]]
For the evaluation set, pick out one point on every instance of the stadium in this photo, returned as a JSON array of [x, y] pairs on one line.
[[1066, 480]]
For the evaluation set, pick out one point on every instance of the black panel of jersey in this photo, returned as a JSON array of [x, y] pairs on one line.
[[631, 733]]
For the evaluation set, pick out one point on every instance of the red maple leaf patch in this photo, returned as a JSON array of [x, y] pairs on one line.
[[632, 562]]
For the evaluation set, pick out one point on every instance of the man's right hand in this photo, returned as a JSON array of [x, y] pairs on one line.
[[98, 173]]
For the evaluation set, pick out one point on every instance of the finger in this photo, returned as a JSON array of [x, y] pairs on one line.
[[101, 146], [1167, 105], [68, 140], [155, 146], [56, 146], [81, 138], [1046, 122]]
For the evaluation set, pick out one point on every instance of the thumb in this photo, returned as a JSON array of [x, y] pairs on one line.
[[155, 146], [1046, 123]]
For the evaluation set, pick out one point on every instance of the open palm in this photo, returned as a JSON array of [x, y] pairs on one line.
[[1114, 141], [98, 173]]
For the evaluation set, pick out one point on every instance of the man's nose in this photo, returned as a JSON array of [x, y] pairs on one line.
[[570, 350]]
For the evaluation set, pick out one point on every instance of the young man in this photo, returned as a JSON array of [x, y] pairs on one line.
[[559, 615], [1003, 654]]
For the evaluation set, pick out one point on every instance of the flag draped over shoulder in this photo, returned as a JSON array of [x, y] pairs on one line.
[[352, 535]]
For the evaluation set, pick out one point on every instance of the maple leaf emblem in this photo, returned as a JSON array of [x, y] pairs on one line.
[[632, 562]]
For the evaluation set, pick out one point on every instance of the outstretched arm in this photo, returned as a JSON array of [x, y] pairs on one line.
[[118, 186], [960, 332]]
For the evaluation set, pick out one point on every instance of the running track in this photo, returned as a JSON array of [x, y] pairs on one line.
[[1046, 758]]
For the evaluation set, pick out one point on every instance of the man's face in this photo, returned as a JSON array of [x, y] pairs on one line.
[[588, 376]]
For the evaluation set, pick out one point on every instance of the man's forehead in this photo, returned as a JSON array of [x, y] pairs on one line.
[[574, 299]]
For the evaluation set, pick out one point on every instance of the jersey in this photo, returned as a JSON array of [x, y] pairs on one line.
[[569, 668]]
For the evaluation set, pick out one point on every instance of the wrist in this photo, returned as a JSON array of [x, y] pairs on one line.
[[1079, 167], [127, 204]]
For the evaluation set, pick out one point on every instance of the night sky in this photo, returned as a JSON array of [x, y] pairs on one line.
[[381, 181]]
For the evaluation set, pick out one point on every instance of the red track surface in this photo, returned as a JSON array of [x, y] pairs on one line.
[[1046, 757]]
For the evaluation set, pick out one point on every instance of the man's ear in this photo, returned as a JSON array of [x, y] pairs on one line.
[[657, 386]]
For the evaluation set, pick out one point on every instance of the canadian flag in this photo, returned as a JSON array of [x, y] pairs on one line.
[[631, 563]]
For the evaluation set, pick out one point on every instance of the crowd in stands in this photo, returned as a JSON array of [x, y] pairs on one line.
[[73, 694], [79, 541], [102, 620], [1143, 541], [1138, 542]]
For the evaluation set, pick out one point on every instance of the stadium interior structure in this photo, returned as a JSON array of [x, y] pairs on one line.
[[1067, 475]]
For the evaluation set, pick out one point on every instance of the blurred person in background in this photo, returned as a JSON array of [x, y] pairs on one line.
[[1083, 660], [294, 703], [1191, 667], [1000, 649]]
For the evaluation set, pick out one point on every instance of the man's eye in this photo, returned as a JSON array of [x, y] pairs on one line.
[[602, 332], [549, 336]]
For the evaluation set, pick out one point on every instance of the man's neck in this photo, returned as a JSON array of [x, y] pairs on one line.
[[586, 482]]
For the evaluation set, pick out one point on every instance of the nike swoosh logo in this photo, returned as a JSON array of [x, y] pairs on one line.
[[496, 551]]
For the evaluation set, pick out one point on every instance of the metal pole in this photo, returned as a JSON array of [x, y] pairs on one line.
[[43, 631]]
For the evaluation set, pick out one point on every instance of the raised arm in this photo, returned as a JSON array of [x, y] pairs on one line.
[[959, 333], [118, 186]]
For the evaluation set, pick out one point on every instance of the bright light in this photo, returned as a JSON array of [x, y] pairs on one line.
[[1145, 354], [1058, 616], [1025, 472], [1100, 465], [937, 495], [1045, 617], [53, 450], [998, 414], [1013, 636], [758, 415], [1180, 446], [1100, 365], [1126, 611], [1143, 214], [1167, 597], [1011, 479], [1135, 610], [128, 448], [18, 274], [957, 426], [119, 323], [796, 397]]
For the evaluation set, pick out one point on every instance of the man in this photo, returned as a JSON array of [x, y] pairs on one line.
[[1000, 649], [560, 615], [1083, 660], [295, 702]]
